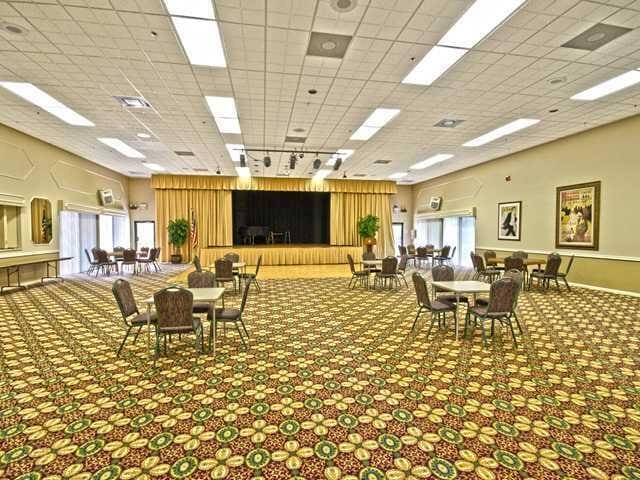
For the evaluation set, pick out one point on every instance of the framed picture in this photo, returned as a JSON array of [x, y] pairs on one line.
[[509, 220], [578, 216]]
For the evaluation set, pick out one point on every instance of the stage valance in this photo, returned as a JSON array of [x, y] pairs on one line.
[[200, 182]]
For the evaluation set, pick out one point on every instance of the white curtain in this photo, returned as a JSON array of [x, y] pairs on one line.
[[70, 242]]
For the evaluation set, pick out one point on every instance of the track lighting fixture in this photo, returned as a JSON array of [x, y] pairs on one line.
[[267, 161], [317, 163], [218, 172], [243, 160], [338, 163], [292, 161]]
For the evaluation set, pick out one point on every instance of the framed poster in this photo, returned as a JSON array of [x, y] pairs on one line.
[[578, 216], [509, 220]]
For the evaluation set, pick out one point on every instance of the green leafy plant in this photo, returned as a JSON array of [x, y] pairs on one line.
[[368, 226], [47, 228], [178, 232]]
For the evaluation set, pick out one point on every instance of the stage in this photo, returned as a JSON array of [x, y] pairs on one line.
[[285, 254]]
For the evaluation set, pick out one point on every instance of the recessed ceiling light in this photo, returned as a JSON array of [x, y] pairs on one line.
[[437, 61], [298, 130], [398, 175], [448, 123], [312, 91], [343, 153], [501, 132], [557, 80], [201, 41], [321, 174], [343, 6], [154, 166], [191, 8], [225, 114], [13, 29], [143, 135], [243, 172], [480, 19], [235, 150], [121, 147], [441, 157], [378, 119], [41, 99], [612, 85]]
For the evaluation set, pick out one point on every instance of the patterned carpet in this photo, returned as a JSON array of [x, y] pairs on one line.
[[331, 386]]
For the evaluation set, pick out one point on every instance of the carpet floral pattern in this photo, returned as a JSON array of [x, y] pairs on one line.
[[333, 385]]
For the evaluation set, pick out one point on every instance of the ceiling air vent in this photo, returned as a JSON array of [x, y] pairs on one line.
[[290, 139], [132, 102], [597, 36], [382, 162], [198, 169], [359, 174], [448, 123], [281, 174], [328, 45], [184, 153]]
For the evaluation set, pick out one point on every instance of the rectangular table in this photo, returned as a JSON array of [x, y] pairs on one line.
[[203, 295], [13, 268], [461, 287]]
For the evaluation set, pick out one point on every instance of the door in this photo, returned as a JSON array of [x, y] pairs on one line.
[[398, 235], [145, 234]]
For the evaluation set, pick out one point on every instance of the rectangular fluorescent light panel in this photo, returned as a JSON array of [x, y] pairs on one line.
[[612, 85], [41, 99], [437, 61], [343, 153], [201, 41], [507, 129], [378, 119], [225, 114], [154, 166], [244, 172], [398, 175], [482, 18], [321, 174], [441, 157], [191, 8], [121, 147], [233, 152]]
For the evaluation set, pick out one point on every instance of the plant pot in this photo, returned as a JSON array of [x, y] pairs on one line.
[[369, 242], [176, 258]]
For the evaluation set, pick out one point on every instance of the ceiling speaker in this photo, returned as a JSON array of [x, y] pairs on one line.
[[317, 163], [267, 161], [344, 6]]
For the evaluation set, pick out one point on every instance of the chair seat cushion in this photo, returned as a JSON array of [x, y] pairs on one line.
[[141, 319], [227, 313], [451, 298], [197, 324], [201, 307], [441, 306], [480, 310]]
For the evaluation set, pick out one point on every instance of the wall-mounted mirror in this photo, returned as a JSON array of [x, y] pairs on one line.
[[41, 221]]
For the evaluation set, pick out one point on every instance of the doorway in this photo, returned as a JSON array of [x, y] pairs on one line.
[[145, 234], [398, 235]]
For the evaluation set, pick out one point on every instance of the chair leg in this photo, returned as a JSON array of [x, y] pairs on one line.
[[137, 333], [433, 318], [243, 327], [484, 335], [566, 283], [513, 334], [518, 322], [416, 319], [240, 333], [124, 340]]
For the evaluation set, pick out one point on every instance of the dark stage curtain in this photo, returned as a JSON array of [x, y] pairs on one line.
[[304, 214]]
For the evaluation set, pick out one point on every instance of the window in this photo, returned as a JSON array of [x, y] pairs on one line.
[[9, 227], [459, 232]]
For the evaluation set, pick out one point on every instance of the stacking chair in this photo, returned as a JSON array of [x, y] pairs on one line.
[[450, 256], [105, 265], [483, 273], [357, 276], [437, 308], [550, 272], [517, 277], [388, 275], [197, 263], [234, 257], [500, 307], [224, 272], [151, 260], [144, 252], [249, 277], [523, 255], [370, 256], [563, 275], [403, 251], [422, 255], [93, 264], [129, 310], [490, 255], [174, 308], [520, 254], [411, 249], [202, 280], [118, 251], [129, 259], [445, 273], [402, 269], [444, 255], [514, 263], [234, 315]]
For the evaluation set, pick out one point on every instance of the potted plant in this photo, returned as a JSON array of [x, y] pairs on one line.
[[368, 226], [178, 233]]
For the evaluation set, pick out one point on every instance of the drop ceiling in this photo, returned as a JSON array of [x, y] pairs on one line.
[[86, 52]]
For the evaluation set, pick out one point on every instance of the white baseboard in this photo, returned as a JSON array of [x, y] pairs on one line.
[[603, 289]]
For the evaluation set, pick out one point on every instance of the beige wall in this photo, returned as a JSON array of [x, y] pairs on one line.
[[609, 154], [140, 191], [404, 200], [33, 168]]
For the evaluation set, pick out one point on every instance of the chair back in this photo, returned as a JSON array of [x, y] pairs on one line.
[[569, 265], [442, 273], [197, 264], [402, 264], [453, 252], [352, 267], [201, 280], [513, 263], [520, 254], [129, 255], [94, 252], [124, 298], [234, 257], [422, 292], [501, 296], [429, 247], [260, 263], [402, 249], [473, 261], [553, 264], [411, 249], [245, 295], [389, 265], [174, 307], [479, 263], [157, 255], [422, 251], [153, 254], [102, 256], [445, 251], [518, 277], [86, 252], [368, 256], [489, 254], [224, 268]]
